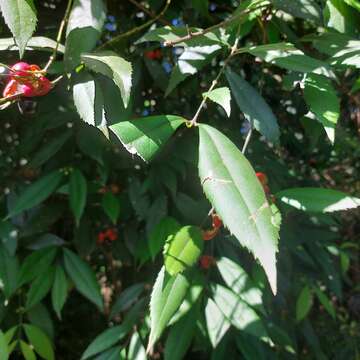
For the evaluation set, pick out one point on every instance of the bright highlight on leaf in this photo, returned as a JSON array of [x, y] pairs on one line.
[[230, 184], [317, 199]]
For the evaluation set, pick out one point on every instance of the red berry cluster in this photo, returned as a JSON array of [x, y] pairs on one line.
[[216, 225], [154, 54], [108, 235], [26, 80], [206, 261]]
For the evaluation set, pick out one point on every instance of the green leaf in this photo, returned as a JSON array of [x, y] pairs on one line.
[[111, 206], [145, 136], [59, 290], [39, 43], [325, 301], [254, 107], [83, 30], [327, 111], [127, 298], [27, 351], [36, 193], [183, 249], [166, 297], [354, 3], [180, 336], [303, 303], [221, 96], [167, 227], [4, 350], [287, 56], [111, 65], [105, 340], [39, 341], [189, 63], [83, 277], [39, 288], [230, 183], [238, 312], [20, 17], [318, 199], [216, 322], [88, 100], [51, 148], [40, 316], [236, 278], [8, 272], [136, 348], [304, 9], [77, 193], [36, 264]]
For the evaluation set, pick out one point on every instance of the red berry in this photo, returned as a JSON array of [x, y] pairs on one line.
[[28, 90], [206, 261], [216, 221], [101, 238], [209, 234], [20, 69], [42, 87], [262, 178], [11, 88], [112, 234]]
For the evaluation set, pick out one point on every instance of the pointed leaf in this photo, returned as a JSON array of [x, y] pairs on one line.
[[222, 97], [254, 107], [183, 249], [20, 17], [327, 111], [318, 199], [166, 297], [230, 183], [146, 136], [109, 64], [39, 288], [8, 272], [39, 43], [77, 193], [303, 303], [59, 290], [40, 342], [36, 193], [83, 277], [27, 351], [111, 206], [4, 350]]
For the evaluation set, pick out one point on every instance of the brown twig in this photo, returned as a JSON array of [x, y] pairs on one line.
[[149, 12], [136, 29], [191, 35]]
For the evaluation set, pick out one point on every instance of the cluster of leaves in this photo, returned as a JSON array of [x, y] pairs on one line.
[[234, 88]]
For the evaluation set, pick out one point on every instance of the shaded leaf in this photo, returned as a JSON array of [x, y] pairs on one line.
[[77, 193], [254, 107], [4, 350], [111, 206], [83, 277], [303, 303], [8, 272], [59, 290]]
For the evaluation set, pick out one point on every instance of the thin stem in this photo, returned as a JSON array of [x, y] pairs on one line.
[[193, 121], [59, 36], [247, 140], [9, 98], [149, 12], [54, 82], [191, 35], [136, 29]]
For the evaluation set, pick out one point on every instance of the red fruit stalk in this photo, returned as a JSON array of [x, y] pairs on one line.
[[206, 261]]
